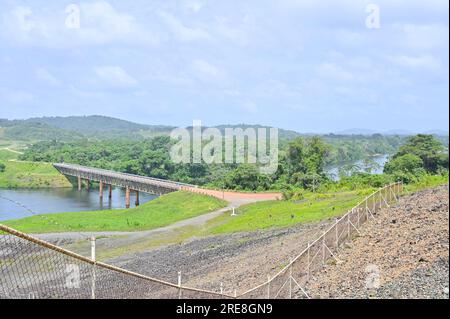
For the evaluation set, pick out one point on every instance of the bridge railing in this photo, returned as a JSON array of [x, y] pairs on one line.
[[74, 168]]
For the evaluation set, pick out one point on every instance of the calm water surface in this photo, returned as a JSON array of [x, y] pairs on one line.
[[16, 203], [381, 160]]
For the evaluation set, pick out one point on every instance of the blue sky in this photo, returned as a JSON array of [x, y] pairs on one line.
[[311, 66]]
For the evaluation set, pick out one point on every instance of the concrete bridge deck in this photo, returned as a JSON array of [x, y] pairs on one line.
[[151, 185], [135, 182]]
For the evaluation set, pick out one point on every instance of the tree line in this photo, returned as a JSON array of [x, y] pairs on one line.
[[301, 164]]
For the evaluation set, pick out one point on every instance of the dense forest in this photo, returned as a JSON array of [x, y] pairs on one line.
[[124, 146], [301, 160]]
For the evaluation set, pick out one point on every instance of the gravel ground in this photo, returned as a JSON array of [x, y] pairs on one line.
[[404, 253], [240, 261]]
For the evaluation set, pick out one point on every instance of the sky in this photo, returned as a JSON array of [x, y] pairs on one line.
[[310, 66]]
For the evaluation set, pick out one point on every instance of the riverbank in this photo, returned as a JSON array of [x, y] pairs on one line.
[[159, 212], [31, 175]]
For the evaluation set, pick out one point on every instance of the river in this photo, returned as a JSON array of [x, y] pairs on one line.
[[17, 203], [379, 160]]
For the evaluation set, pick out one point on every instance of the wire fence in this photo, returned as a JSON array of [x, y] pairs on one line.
[[291, 280], [33, 268]]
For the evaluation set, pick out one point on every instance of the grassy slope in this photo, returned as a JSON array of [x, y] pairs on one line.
[[31, 175], [426, 182], [160, 212], [285, 213], [6, 155]]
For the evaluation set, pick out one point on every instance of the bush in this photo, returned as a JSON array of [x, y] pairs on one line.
[[406, 164], [2, 167]]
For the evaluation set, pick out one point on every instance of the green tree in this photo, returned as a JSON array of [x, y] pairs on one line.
[[407, 163], [428, 149], [304, 162]]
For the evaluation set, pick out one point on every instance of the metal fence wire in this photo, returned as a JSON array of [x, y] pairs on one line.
[[291, 280], [33, 268]]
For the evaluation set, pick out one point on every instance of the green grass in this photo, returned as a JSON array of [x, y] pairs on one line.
[[427, 181], [6, 155], [160, 212], [270, 214], [31, 175], [315, 207]]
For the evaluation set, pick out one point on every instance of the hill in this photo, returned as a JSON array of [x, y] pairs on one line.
[[102, 127], [34, 131], [73, 128]]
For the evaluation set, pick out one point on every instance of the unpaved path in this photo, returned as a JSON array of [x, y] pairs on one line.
[[132, 236], [404, 253], [234, 202]]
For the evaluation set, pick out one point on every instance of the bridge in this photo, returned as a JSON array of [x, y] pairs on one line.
[[131, 183], [157, 186]]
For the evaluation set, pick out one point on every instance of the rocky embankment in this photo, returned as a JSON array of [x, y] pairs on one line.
[[404, 253]]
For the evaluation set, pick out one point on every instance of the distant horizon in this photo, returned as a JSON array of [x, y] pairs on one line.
[[347, 131]]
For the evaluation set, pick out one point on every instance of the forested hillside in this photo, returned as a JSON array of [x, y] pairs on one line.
[[74, 128]]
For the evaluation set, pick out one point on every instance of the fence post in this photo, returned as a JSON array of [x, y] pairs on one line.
[[380, 198], [93, 267], [337, 234], [323, 249], [366, 203], [309, 261], [268, 286], [348, 226], [221, 288], [290, 280], [179, 285], [374, 198]]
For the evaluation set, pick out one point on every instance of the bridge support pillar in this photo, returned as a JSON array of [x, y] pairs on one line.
[[110, 191], [100, 190], [88, 186], [137, 198], [79, 183], [127, 197]]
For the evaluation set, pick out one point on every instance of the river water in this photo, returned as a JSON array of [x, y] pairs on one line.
[[380, 161], [17, 203]]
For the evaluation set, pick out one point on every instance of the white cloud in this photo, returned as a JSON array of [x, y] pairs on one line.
[[44, 75], [249, 106], [182, 32], [14, 96], [422, 36], [350, 38], [333, 71], [115, 76], [424, 61], [193, 5], [206, 68], [100, 23]]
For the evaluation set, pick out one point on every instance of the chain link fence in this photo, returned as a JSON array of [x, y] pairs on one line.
[[33, 268], [294, 276]]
